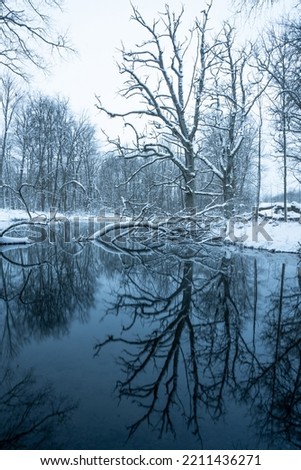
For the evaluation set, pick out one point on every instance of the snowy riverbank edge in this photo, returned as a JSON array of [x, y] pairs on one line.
[[272, 236], [268, 235]]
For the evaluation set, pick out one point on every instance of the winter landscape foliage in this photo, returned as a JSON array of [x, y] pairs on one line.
[[129, 304]]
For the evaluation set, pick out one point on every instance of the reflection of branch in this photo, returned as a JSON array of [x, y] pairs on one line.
[[188, 356], [22, 264], [173, 344], [142, 235], [274, 387], [19, 224], [29, 415], [41, 292], [162, 350]]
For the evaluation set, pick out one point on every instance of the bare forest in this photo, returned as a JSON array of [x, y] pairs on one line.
[[204, 110]]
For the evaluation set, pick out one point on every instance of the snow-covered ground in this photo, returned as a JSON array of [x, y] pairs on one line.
[[271, 235], [10, 216], [270, 232]]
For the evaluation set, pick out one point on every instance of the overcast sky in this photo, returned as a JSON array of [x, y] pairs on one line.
[[96, 29]]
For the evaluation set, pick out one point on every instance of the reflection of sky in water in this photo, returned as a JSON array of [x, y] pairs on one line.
[[101, 420]]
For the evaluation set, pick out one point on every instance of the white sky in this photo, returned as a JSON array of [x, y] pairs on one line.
[[96, 29]]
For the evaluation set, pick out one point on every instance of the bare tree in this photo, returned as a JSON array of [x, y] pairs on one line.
[[10, 98], [259, 160], [25, 29], [53, 148], [227, 147], [254, 4], [279, 60], [166, 75]]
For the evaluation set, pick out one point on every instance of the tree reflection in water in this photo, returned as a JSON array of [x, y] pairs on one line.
[[30, 415], [274, 388], [195, 340], [43, 289], [204, 333]]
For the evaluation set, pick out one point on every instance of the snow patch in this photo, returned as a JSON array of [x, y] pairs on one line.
[[273, 235]]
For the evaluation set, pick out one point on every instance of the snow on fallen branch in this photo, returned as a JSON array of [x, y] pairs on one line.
[[6, 240], [152, 234], [168, 225], [126, 225]]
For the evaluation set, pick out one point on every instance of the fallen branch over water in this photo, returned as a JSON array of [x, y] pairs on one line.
[[129, 224], [5, 240]]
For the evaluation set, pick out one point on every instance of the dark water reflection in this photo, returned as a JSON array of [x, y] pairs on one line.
[[193, 347]]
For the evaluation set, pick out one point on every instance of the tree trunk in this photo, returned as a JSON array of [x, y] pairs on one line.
[[284, 168], [259, 162], [228, 192], [189, 199]]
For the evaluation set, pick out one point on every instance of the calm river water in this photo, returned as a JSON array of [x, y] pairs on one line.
[[192, 347]]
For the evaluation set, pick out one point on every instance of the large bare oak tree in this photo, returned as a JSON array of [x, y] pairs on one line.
[[165, 79]]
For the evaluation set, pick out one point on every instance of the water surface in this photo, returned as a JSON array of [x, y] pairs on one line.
[[192, 347]]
